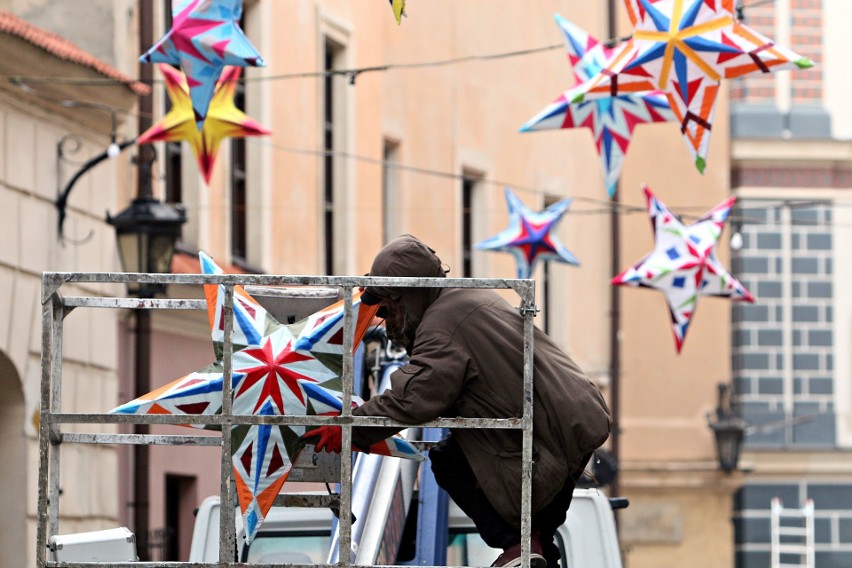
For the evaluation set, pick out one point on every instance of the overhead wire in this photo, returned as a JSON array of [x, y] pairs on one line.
[[603, 207], [351, 72]]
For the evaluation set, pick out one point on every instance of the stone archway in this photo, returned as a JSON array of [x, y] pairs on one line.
[[13, 475]]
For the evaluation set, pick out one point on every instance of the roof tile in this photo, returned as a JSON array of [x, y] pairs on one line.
[[64, 49]]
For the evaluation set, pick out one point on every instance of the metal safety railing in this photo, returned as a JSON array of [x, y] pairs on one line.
[[55, 307]]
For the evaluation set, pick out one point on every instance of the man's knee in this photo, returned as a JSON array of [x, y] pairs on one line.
[[449, 465], [443, 466]]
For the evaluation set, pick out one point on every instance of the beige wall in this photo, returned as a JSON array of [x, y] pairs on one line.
[[447, 119], [466, 116], [29, 182], [180, 344]]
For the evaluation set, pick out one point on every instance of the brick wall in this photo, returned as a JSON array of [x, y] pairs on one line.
[[791, 275], [806, 39], [832, 520], [758, 88]]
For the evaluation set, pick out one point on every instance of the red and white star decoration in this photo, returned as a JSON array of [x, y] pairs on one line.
[[530, 236], [683, 264], [277, 370]]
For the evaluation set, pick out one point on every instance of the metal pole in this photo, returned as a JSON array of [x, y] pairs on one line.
[[528, 311], [142, 355], [141, 454], [615, 303], [54, 490], [146, 75], [47, 347], [345, 520], [227, 524]]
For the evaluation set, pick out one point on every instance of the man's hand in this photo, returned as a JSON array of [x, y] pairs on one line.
[[330, 438]]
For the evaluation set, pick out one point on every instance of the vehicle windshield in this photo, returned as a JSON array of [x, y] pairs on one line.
[[288, 548], [466, 548]]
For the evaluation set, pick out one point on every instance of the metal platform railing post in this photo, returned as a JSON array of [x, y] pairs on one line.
[[48, 308], [227, 535], [528, 311], [345, 520]]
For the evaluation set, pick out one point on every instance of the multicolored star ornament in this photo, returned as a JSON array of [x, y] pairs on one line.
[[683, 264], [398, 10], [611, 120], [685, 48], [205, 37], [277, 370], [530, 236], [224, 119]]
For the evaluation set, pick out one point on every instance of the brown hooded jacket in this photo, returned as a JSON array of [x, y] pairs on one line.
[[467, 361]]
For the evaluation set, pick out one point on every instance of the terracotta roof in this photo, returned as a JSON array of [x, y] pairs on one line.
[[64, 49], [185, 263]]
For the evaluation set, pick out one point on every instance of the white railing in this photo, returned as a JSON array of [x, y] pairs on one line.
[[792, 535]]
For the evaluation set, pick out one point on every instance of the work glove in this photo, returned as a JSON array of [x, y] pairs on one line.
[[330, 438]]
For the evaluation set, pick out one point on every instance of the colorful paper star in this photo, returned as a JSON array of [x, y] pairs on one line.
[[277, 370], [224, 119], [685, 48], [205, 37], [398, 10], [611, 120], [683, 264], [530, 236]]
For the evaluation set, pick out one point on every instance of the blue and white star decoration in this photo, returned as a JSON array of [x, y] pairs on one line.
[[530, 236], [205, 37], [611, 120], [683, 264]]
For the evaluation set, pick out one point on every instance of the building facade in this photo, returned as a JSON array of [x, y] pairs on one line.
[[358, 157], [792, 173], [43, 141]]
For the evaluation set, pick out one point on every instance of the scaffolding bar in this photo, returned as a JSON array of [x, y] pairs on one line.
[[55, 308], [220, 419], [227, 538]]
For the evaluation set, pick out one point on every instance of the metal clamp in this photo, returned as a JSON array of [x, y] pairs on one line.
[[527, 308]]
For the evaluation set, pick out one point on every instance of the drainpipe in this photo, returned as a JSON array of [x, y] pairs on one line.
[[142, 355], [615, 303]]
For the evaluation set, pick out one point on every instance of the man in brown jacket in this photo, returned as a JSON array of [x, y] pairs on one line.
[[466, 349]]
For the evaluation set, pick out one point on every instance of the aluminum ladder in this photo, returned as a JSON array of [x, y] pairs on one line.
[[792, 534]]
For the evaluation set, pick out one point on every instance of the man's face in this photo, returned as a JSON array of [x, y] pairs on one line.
[[395, 320]]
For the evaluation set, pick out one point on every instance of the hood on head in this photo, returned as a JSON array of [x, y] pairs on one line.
[[404, 256]]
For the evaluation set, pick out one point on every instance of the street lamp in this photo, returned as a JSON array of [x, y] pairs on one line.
[[728, 429], [146, 232]]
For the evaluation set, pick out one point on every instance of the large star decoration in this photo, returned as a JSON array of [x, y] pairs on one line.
[[205, 37], [224, 119], [611, 120], [530, 236], [683, 264], [685, 48], [277, 370]]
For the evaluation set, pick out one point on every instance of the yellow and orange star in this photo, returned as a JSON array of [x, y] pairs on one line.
[[224, 119]]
